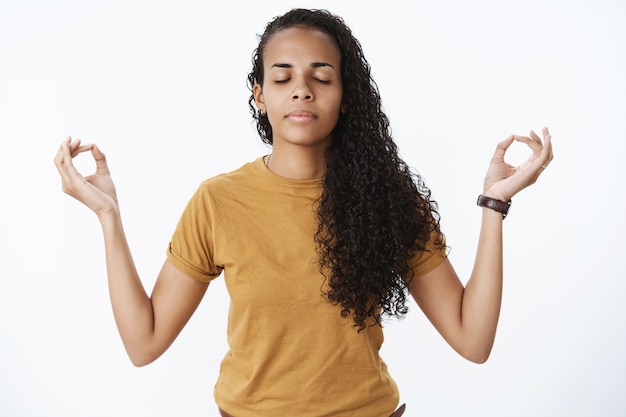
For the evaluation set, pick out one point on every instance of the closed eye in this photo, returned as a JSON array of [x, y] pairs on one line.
[[319, 80]]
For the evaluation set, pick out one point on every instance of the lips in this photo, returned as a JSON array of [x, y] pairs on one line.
[[301, 115]]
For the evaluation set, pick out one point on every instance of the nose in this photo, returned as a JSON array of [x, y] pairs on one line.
[[302, 92]]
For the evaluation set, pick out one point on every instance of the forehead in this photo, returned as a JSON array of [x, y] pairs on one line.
[[301, 43]]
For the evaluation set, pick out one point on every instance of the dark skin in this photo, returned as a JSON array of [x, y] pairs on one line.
[[302, 96]]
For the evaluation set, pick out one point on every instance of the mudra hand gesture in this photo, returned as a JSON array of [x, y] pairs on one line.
[[503, 180], [96, 191]]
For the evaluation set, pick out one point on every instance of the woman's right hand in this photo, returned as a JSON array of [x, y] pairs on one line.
[[96, 191]]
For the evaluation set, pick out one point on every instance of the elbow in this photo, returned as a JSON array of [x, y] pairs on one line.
[[478, 355], [141, 357], [143, 351], [139, 361], [478, 358], [475, 347]]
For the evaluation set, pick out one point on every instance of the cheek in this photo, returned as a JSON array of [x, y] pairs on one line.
[[339, 98], [269, 98], [273, 116], [338, 104]]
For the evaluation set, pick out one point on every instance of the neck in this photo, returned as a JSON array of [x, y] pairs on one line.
[[297, 163]]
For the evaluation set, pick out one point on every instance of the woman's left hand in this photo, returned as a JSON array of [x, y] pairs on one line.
[[503, 180]]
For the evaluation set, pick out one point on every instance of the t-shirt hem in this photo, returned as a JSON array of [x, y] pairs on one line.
[[189, 270]]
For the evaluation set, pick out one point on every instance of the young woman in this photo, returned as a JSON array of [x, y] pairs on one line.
[[317, 241]]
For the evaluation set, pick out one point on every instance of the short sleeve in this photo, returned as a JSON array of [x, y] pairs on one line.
[[426, 260], [191, 248]]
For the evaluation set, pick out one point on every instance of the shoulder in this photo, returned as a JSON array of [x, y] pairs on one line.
[[245, 174], [218, 193]]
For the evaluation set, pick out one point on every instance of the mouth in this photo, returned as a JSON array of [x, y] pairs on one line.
[[301, 115]]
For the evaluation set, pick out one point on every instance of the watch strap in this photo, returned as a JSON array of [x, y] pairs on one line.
[[493, 204]]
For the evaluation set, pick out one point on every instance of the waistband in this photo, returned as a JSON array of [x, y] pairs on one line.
[[396, 413]]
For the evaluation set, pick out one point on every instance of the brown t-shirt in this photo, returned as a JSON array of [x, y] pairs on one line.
[[290, 349]]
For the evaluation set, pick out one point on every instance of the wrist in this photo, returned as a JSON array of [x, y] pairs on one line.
[[495, 204], [109, 217], [497, 194]]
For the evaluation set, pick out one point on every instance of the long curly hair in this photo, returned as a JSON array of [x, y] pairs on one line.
[[374, 212]]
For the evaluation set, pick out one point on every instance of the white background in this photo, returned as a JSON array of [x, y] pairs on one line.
[[161, 88]]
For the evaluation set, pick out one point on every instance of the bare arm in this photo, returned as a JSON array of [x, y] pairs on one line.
[[467, 317], [147, 325]]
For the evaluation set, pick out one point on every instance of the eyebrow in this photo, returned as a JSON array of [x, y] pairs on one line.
[[313, 65]]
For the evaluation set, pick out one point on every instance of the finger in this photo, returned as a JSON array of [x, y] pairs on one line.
[[535, 137], [80, 149], [66, 141], [66, 145], [101, 162], [64, 165], [501, 148], [59, 155], [61, 158], [548, 141], [76, 147], [546, 154], [534, 146]]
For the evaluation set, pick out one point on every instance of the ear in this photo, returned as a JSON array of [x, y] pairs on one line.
[[343, 108], [257, 92]]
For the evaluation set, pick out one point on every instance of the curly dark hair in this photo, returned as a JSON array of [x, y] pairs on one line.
[[374, 212]]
